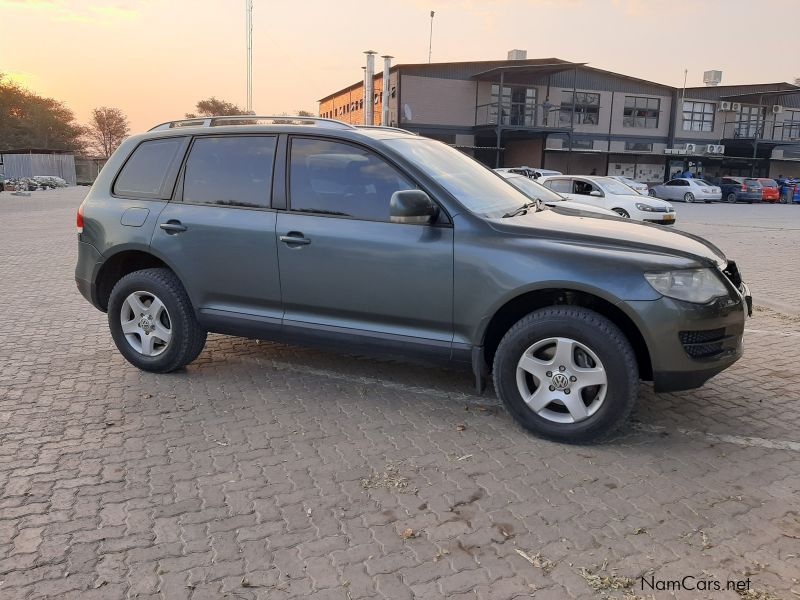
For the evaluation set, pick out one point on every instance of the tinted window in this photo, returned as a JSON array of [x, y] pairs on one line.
[[151, 170], [562, 186], [230, 171], [333, 178]]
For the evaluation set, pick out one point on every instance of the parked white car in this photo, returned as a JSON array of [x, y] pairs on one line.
[[688, 190], [613, 195], [536, 191], [640, 188], [531, 172]]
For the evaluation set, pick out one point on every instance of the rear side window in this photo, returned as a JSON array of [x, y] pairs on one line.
[[562, 186], [151, 170], [230, 171]]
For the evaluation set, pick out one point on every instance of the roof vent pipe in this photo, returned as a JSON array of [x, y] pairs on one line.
[[387, 67], [369, 91]]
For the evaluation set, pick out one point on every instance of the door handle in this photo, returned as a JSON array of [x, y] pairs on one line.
[[294, 238], [172, 226]]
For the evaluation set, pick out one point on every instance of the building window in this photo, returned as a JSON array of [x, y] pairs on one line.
[[517, 105], [587, 108], [749, 121], [638, 147], [641, 112], [698, 116], [790, 130]]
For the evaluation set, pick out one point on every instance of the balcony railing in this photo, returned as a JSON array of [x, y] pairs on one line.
[[521, 114]]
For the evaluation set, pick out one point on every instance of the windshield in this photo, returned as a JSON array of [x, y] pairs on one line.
[[534, 190], [612, 186], [477, 187]]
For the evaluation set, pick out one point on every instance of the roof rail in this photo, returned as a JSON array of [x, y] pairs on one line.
[[384, 127], [273, 119]]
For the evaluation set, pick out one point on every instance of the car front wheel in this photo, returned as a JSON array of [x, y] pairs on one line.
[[152, 321], [567, 373], [688, 197], [622, 212], [652, 193]]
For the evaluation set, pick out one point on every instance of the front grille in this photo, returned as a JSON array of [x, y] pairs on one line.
[[703, 344]]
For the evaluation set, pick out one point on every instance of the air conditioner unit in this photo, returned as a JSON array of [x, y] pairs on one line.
[[724, 105], [736, 106], [691, 148], [720, 149], [777, 109], [711, 149]]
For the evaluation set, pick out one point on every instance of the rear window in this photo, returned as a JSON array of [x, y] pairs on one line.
[[151, 170], [230, 171], [770, 183], [753, 182]]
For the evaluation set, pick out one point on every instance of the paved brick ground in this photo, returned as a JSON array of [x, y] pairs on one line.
[[265, 471]]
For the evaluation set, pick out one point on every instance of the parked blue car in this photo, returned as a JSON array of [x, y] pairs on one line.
[[739, 189]]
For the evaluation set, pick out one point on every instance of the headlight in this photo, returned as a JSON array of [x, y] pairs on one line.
[[644, 207], [692, 285]]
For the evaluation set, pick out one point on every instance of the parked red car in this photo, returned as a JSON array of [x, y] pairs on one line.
[[770, 191]]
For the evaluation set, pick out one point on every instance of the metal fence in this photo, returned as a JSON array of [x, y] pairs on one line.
[[29, 165]]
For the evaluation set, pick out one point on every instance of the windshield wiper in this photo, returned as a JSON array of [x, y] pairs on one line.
[[523, 209]]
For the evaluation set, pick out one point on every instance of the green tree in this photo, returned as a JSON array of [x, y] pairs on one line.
[[107, 128], [28, 120], [213, 107]]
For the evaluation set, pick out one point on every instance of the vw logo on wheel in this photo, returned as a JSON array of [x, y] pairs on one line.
[[560, 381]]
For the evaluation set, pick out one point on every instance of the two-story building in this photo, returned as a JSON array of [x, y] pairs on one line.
[[575, 118]]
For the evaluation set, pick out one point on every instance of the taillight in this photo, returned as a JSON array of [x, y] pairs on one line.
[[79, 220], [744, 188]]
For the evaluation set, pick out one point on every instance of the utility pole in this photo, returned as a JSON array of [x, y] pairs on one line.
[[249, 44], [430, 39]]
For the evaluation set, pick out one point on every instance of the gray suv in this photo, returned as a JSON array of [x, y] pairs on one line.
[[378, 240]]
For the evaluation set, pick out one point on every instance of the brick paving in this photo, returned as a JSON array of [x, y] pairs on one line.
[[267, 471]]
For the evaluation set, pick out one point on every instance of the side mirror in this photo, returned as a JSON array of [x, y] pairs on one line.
[[596, 194], [412, 207]]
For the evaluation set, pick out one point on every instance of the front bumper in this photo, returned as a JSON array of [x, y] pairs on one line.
[[659, 218], [690, 343]]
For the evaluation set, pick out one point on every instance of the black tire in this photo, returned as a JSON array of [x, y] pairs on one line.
[[595, 332], [688, 197], [622, 213], [188, 338], [651, 193], [731, 198]]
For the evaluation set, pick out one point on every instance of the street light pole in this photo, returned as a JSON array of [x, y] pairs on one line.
[[430, 39]]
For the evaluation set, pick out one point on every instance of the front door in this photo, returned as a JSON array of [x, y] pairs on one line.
[[344, 266], [220, 238]]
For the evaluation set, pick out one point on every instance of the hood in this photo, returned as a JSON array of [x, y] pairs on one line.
[[636, 197], [611, 232]]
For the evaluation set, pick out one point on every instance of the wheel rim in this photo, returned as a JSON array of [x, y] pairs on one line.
[[146, 323], [689, 197], [652, 193], [561, 380], [621, 213]]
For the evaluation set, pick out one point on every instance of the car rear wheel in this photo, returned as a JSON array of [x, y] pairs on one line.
[[152, 321], [622, 212], [567, 373], [688, 197], [652, 193], [731, 198]]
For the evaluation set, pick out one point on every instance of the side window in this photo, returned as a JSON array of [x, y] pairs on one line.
[[563, 186], [672, 182], [230, 171], [683, 182], [333, 178], [151, 170], [583, 187]]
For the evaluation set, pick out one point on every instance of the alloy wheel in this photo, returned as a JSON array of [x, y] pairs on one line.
[[561, 380], [146, 323]]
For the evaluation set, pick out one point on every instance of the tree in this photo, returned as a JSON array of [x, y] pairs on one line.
[[213, 107], [107, 128], [28, 120], [305, 113]]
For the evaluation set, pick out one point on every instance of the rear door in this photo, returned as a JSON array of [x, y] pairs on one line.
[[344, 266], [219, 234]]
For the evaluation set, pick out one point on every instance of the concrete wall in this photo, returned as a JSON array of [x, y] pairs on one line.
[[577, 164]]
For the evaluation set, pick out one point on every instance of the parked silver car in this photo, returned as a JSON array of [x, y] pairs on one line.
[[688, 190]]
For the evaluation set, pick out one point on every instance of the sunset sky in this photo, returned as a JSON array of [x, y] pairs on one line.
[[155, 58]]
